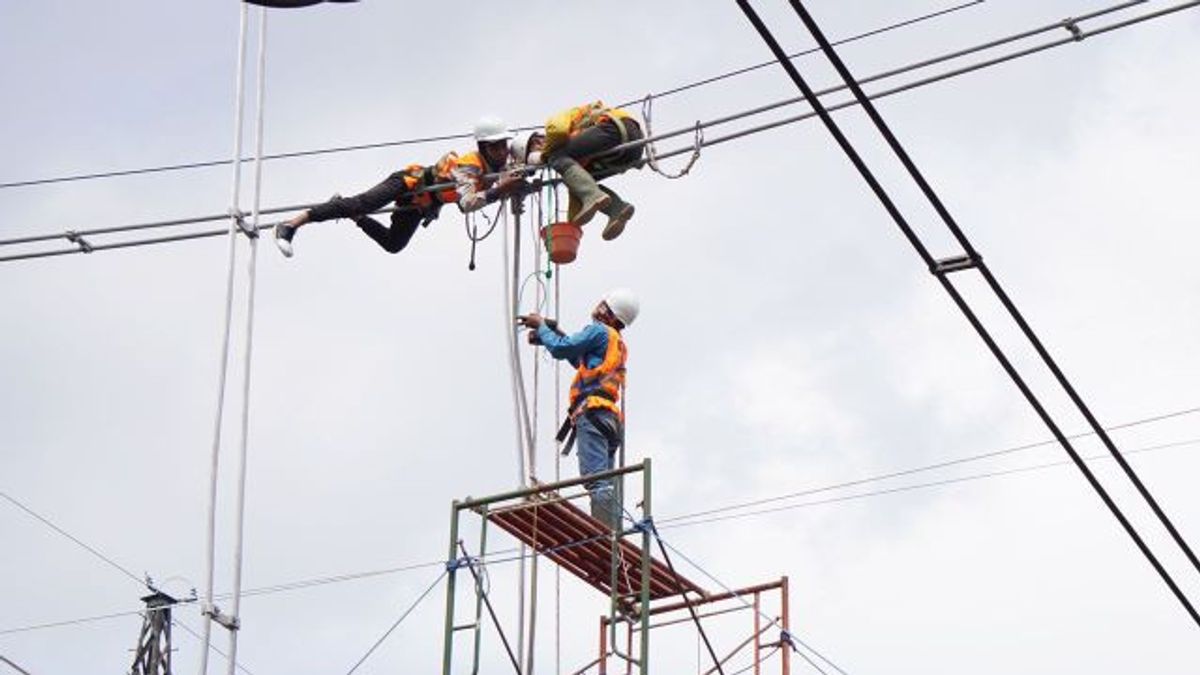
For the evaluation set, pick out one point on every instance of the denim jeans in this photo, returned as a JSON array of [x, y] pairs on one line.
[[597, 437]]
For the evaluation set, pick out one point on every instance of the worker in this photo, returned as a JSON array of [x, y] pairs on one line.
[[598, 353], [574, 143], [465, 178]]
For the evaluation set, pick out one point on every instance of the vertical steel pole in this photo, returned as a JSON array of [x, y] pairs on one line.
[[478, 590], [448, 647], [603, 647], [647, 513], [757, 631], [787, 626]]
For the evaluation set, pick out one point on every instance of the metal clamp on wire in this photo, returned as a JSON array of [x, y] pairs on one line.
[[456, 564], [1073, 27], [247, 229], [213, 612], [77, 239]]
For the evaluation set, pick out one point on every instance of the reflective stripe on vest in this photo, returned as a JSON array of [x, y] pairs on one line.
[[418, 176], [601, 386]]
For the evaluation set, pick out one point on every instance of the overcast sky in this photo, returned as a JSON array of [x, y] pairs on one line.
[[790, 338]]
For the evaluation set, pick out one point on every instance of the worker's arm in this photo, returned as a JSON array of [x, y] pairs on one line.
[[469, 183], [573, 348]]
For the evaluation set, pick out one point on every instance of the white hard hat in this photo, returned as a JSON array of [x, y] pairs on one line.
[[491, 128], [519, 147], [623, 304]]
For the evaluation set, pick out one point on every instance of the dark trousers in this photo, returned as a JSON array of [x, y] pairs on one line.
[[595, 141], [405, 218]]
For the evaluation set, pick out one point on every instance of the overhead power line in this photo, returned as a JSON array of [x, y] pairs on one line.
[[501, 556], [79, 542], [970, 259], [203, 164], [1077, 33]]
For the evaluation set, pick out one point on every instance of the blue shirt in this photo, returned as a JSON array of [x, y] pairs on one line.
[[588, 346]]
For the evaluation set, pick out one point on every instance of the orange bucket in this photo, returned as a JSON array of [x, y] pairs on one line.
[[562, 239]]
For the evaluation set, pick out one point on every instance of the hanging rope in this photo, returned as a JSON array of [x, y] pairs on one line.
[[652, 154]]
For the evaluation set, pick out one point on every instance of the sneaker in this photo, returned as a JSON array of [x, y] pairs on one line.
[[283, 238], [616, 223]]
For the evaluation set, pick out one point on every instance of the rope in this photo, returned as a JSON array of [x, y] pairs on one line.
[[652, 154], [397, 623], [210, 533]]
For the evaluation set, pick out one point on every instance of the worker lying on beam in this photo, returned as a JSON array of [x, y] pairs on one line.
[[577, 143], [598, 353], [466, 182]]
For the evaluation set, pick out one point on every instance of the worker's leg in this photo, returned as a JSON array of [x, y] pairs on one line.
[[597, 435], [566, 161], [618, 211], [341, 207], [392, 239], [360, 204], [581, 186]]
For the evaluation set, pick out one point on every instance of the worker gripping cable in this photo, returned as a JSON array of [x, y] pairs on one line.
[[598, 353], [576, 144], [472, 189]]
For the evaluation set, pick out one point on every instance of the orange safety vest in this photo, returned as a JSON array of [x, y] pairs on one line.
[[418, 176], [601, 386]]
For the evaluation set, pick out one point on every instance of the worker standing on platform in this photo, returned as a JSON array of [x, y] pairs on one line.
[[598, 353], [574, 143], [472, 189]]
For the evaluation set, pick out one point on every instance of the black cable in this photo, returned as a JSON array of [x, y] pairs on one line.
[[449, 137], [869, 177], [683, 594], [1077, 35], [993, 283]]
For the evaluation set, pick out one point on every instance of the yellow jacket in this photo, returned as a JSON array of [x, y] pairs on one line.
[[562, 127]]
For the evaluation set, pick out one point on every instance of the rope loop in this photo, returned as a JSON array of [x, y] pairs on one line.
[[652, 154]]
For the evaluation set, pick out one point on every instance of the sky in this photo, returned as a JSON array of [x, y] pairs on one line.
[[789, 340]]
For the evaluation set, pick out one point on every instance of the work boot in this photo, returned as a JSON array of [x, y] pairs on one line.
[[581, 185], [618, 211], [283, 238]]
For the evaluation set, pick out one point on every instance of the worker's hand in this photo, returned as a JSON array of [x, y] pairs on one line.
[[533, 321], [532, 337], [511, 181]]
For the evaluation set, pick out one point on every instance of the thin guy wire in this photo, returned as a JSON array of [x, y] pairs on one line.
[[213, 647], [90, 549], [460, 136], [666, 524], [940, 465], [770, 619], [685, 520], [708, 142], [393, 627]]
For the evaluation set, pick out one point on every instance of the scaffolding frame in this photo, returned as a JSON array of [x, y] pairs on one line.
[[575, 541], [713, 601]]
